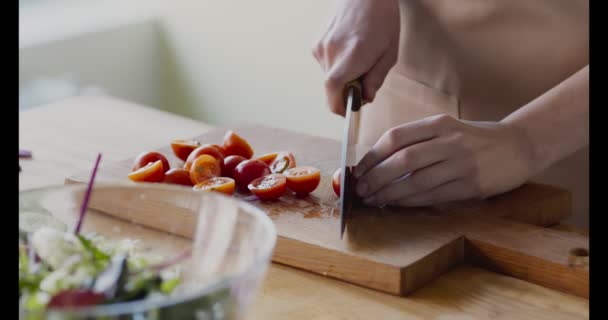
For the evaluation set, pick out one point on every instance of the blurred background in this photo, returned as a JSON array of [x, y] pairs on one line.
[[221, 62]]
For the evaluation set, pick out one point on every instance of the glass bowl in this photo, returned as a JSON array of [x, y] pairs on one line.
[[231, 244]]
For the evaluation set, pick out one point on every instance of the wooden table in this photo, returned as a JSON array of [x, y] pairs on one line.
[[65, 137]]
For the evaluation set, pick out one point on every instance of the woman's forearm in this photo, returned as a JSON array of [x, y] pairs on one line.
[[556, 124]]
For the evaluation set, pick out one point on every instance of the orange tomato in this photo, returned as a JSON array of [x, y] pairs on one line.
[[303, 180], [204, 149], [204, 167], [152, 172], [218, 184], [268, 158], [183, 148], [236, 145], [335, 181], [270, 187]]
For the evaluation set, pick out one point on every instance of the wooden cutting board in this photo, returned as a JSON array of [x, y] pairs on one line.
[[400, 250]]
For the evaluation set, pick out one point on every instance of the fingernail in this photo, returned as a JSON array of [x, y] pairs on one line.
[[361, 188], [359, 171]]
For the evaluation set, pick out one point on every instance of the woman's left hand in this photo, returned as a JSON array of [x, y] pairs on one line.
[[441, 159]]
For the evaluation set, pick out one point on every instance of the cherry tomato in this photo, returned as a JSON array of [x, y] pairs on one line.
[[335, 181], [236, 145], [146, 157], [204, 167], [249, 170], [75, 298], [268, 158], [269, 187], [303, 180], [152, 172], [219, 184], [204, 149], [183, 148], [229, 163], [282, 162], [178, 176], [220, 149]]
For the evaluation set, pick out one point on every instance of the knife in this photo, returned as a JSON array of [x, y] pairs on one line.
[[354, 91]]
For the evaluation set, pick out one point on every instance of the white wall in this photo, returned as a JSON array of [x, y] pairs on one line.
[[249, 61]]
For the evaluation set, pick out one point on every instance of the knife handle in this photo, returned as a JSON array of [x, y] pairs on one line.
[[357, 86]]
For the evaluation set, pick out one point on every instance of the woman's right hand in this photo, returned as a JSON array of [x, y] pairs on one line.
[[362, 41]]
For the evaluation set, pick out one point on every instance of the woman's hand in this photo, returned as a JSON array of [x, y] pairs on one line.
[[441, 159], [362, 40]]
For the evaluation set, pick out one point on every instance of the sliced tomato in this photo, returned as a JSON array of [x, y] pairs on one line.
[[249, 170], [282, 162], [236, 145], [183, 148], [152, 172], [204, 167], [220, 149], [303, 180], [204, 149], [178, 176], [218, 184], [268, 158], [144, 158], [335, 181], [270, 187]]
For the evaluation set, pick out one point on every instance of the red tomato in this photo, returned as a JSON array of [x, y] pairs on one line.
[[204, 149], [236, 145], [269, 187], [178, 176], [303, 180], [218, 184], [146, 157], [335, 181], [268, 158], [229, 163], [282, 162], [153, 172], [183, 148], [249, 170], [75, 298], [204, 167]]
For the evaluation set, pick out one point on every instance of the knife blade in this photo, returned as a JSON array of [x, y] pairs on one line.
[[349, 141]]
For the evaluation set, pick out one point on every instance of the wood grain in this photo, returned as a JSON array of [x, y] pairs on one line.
[[61, 147], [392, 250]]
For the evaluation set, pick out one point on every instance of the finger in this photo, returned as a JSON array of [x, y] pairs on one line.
[[346, 68], [374, 78], [454, 190], [404, 161], [401, 137], [419, 181]]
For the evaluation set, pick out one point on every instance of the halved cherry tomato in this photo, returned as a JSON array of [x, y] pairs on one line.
[[335, 181], [153, 172], [269, 187], [229, 163], [220, 149], [183, 148], [282, 162], [219, 184], [204, 149], [268, 158], [249, 170], [144, 158], [236, 145], [303, 180], [204, 167], [178, 176]]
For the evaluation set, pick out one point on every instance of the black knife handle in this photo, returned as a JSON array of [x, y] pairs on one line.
[[357, 86]]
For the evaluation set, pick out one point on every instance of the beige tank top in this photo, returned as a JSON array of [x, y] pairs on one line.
[[482, 60]]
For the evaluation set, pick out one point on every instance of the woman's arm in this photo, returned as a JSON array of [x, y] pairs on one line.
[[557, 122]]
